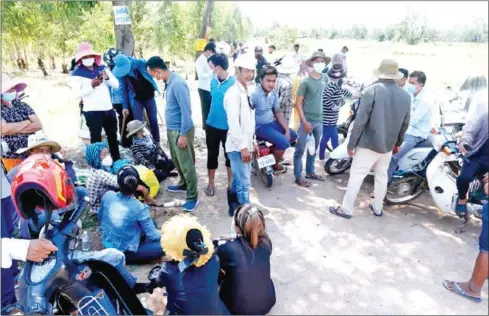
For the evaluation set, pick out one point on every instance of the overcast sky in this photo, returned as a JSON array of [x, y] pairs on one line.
[[441, 14]]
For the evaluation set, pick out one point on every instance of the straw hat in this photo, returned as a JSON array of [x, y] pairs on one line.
[[182, 233], [134, 126], [287, 66], [39, 139], [388, 69], [85, 49], [246, 61], [8, 83]]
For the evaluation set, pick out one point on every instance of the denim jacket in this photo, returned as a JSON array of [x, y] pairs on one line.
[[123, 220], [126, 92], [119, 95]]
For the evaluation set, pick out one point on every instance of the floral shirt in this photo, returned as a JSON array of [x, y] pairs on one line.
[[98, 183], [285, 93], [18, 112]]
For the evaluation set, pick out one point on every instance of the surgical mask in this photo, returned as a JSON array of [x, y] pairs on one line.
[[411, 88], [9, 96], [107, 162], [88, 62], [319, 67]]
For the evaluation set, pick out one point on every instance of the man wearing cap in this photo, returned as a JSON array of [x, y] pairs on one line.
[[240, 142], [140, 88], [260, 62], [285, 86], [378, 131], [19, 121], [204, 75], [90, 82], [180, 130], [309, 106]]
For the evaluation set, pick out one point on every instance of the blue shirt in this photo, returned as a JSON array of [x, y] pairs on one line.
[[123, 220], [178, 112], [217, 114], [265, 106], [421, 116]]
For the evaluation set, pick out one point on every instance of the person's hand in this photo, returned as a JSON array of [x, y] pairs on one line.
[[486, 188], [182, 141], [351, 152], [395, 150], [307, 127], [486, 178], [357, 95], [143, 190], [256, 151], [125, 112], [65, 152], [245, 155], [105, 76], [287, 134], [40, 249], [97, 81], [462, 149]]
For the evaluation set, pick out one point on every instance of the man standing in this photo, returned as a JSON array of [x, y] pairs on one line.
[[344, 50], [240, 142], [420, 122], [204, 75], [260, 62], [180, 129], [140, 88], [382, 120], [285, 87], [217, 121], [309, 105]]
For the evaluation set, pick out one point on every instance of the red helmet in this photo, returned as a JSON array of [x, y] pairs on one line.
[[42, 183]]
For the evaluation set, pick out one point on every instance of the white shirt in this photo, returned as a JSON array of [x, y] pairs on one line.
[[477, 107], [94, 99], [204, 73], [13, 249], [241, 119]]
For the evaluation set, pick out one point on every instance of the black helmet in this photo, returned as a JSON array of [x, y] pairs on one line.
[[109, 56]]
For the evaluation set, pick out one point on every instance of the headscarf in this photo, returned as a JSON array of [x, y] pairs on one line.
[[92, 154]]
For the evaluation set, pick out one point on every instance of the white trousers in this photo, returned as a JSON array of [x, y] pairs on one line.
[[363, 161]]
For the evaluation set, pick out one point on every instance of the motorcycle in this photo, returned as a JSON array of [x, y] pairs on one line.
[[75, 282], [263, 166]]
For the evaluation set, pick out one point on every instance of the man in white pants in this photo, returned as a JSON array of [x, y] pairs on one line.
[[378, 131]]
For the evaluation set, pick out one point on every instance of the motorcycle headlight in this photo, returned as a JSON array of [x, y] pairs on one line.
[[39, 271]]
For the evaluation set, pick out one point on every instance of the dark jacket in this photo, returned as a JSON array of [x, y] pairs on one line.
[[247, 287], [382, 118], [145, 152]]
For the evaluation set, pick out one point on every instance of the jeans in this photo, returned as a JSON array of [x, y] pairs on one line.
[[300, 147], [125, 142], [329, 132], [274, 133], [472, 169], [409, 143], [241, 177], [96, 120], [147, 251], [151, 111], [205, 104]]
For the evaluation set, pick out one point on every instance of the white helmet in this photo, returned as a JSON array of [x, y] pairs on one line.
[[246, 61]]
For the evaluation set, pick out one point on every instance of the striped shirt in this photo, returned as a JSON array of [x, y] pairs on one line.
[[331, 102]]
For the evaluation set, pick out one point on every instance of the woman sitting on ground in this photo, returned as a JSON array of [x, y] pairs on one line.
[[147, 153], [247, 287], [191, 277], [125, 222]]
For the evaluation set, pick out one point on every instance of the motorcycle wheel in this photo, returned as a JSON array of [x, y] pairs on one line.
[[337, 166], [267, 179], [394, 197]]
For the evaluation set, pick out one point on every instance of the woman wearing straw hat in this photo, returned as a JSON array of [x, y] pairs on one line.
[[190, 278], [18, 121], [90, 82]]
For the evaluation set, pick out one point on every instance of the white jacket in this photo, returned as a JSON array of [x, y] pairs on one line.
[[94, 99], [241, 119], [204, 73], [13, 249]]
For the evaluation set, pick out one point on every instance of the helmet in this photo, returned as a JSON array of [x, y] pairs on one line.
[[42, 183], [109, 56]]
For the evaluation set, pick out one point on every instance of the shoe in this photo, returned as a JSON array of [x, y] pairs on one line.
[[175, 189], [190, 206], [374, 210]]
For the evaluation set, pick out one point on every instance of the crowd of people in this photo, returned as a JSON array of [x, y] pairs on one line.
[[231, 276]]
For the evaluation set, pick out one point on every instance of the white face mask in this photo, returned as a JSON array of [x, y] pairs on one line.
[[88, 62], [107, 162], [319, 67], [9, 96]]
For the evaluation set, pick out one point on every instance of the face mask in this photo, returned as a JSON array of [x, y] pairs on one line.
[[107, 162], [88, 62], [319, 67], [411, 88], [9, 96]]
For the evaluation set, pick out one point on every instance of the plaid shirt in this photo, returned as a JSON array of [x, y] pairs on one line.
[[97, 184], [284, 89]]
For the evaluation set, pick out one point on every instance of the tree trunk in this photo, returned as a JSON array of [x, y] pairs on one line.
[[26, 62], [206, 21], [42, 67], [124, 39], [53, 63]]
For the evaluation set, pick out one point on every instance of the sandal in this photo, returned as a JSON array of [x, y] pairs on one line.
[[210, 191], [372, 208], [303, 183], [282, 169], [285, 162], [455, 288], [315, 176], [334, 211]]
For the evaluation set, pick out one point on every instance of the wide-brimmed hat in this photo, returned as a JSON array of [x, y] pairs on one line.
[[388, 69], [85, 49], [288, 66], [245, 61], [122, 66], [39, 139], [336, 72], [8, 83], [185, 240], [134, 126], [316, 54]]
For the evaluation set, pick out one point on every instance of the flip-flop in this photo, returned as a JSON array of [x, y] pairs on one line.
[[210, 191], [314, 176], [334, 211], [173, 174], [372, 208], [303, 183], [283, 169], [455, 288]]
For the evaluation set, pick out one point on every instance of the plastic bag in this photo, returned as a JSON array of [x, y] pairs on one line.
[[311, 144]]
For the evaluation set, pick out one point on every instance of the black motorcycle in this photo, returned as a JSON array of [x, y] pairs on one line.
[[65, 285]]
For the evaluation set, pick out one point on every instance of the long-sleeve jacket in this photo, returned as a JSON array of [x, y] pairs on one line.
[[476, 135]]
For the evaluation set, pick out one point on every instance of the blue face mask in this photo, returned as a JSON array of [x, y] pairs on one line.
[[411, 88], [9, 96]]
